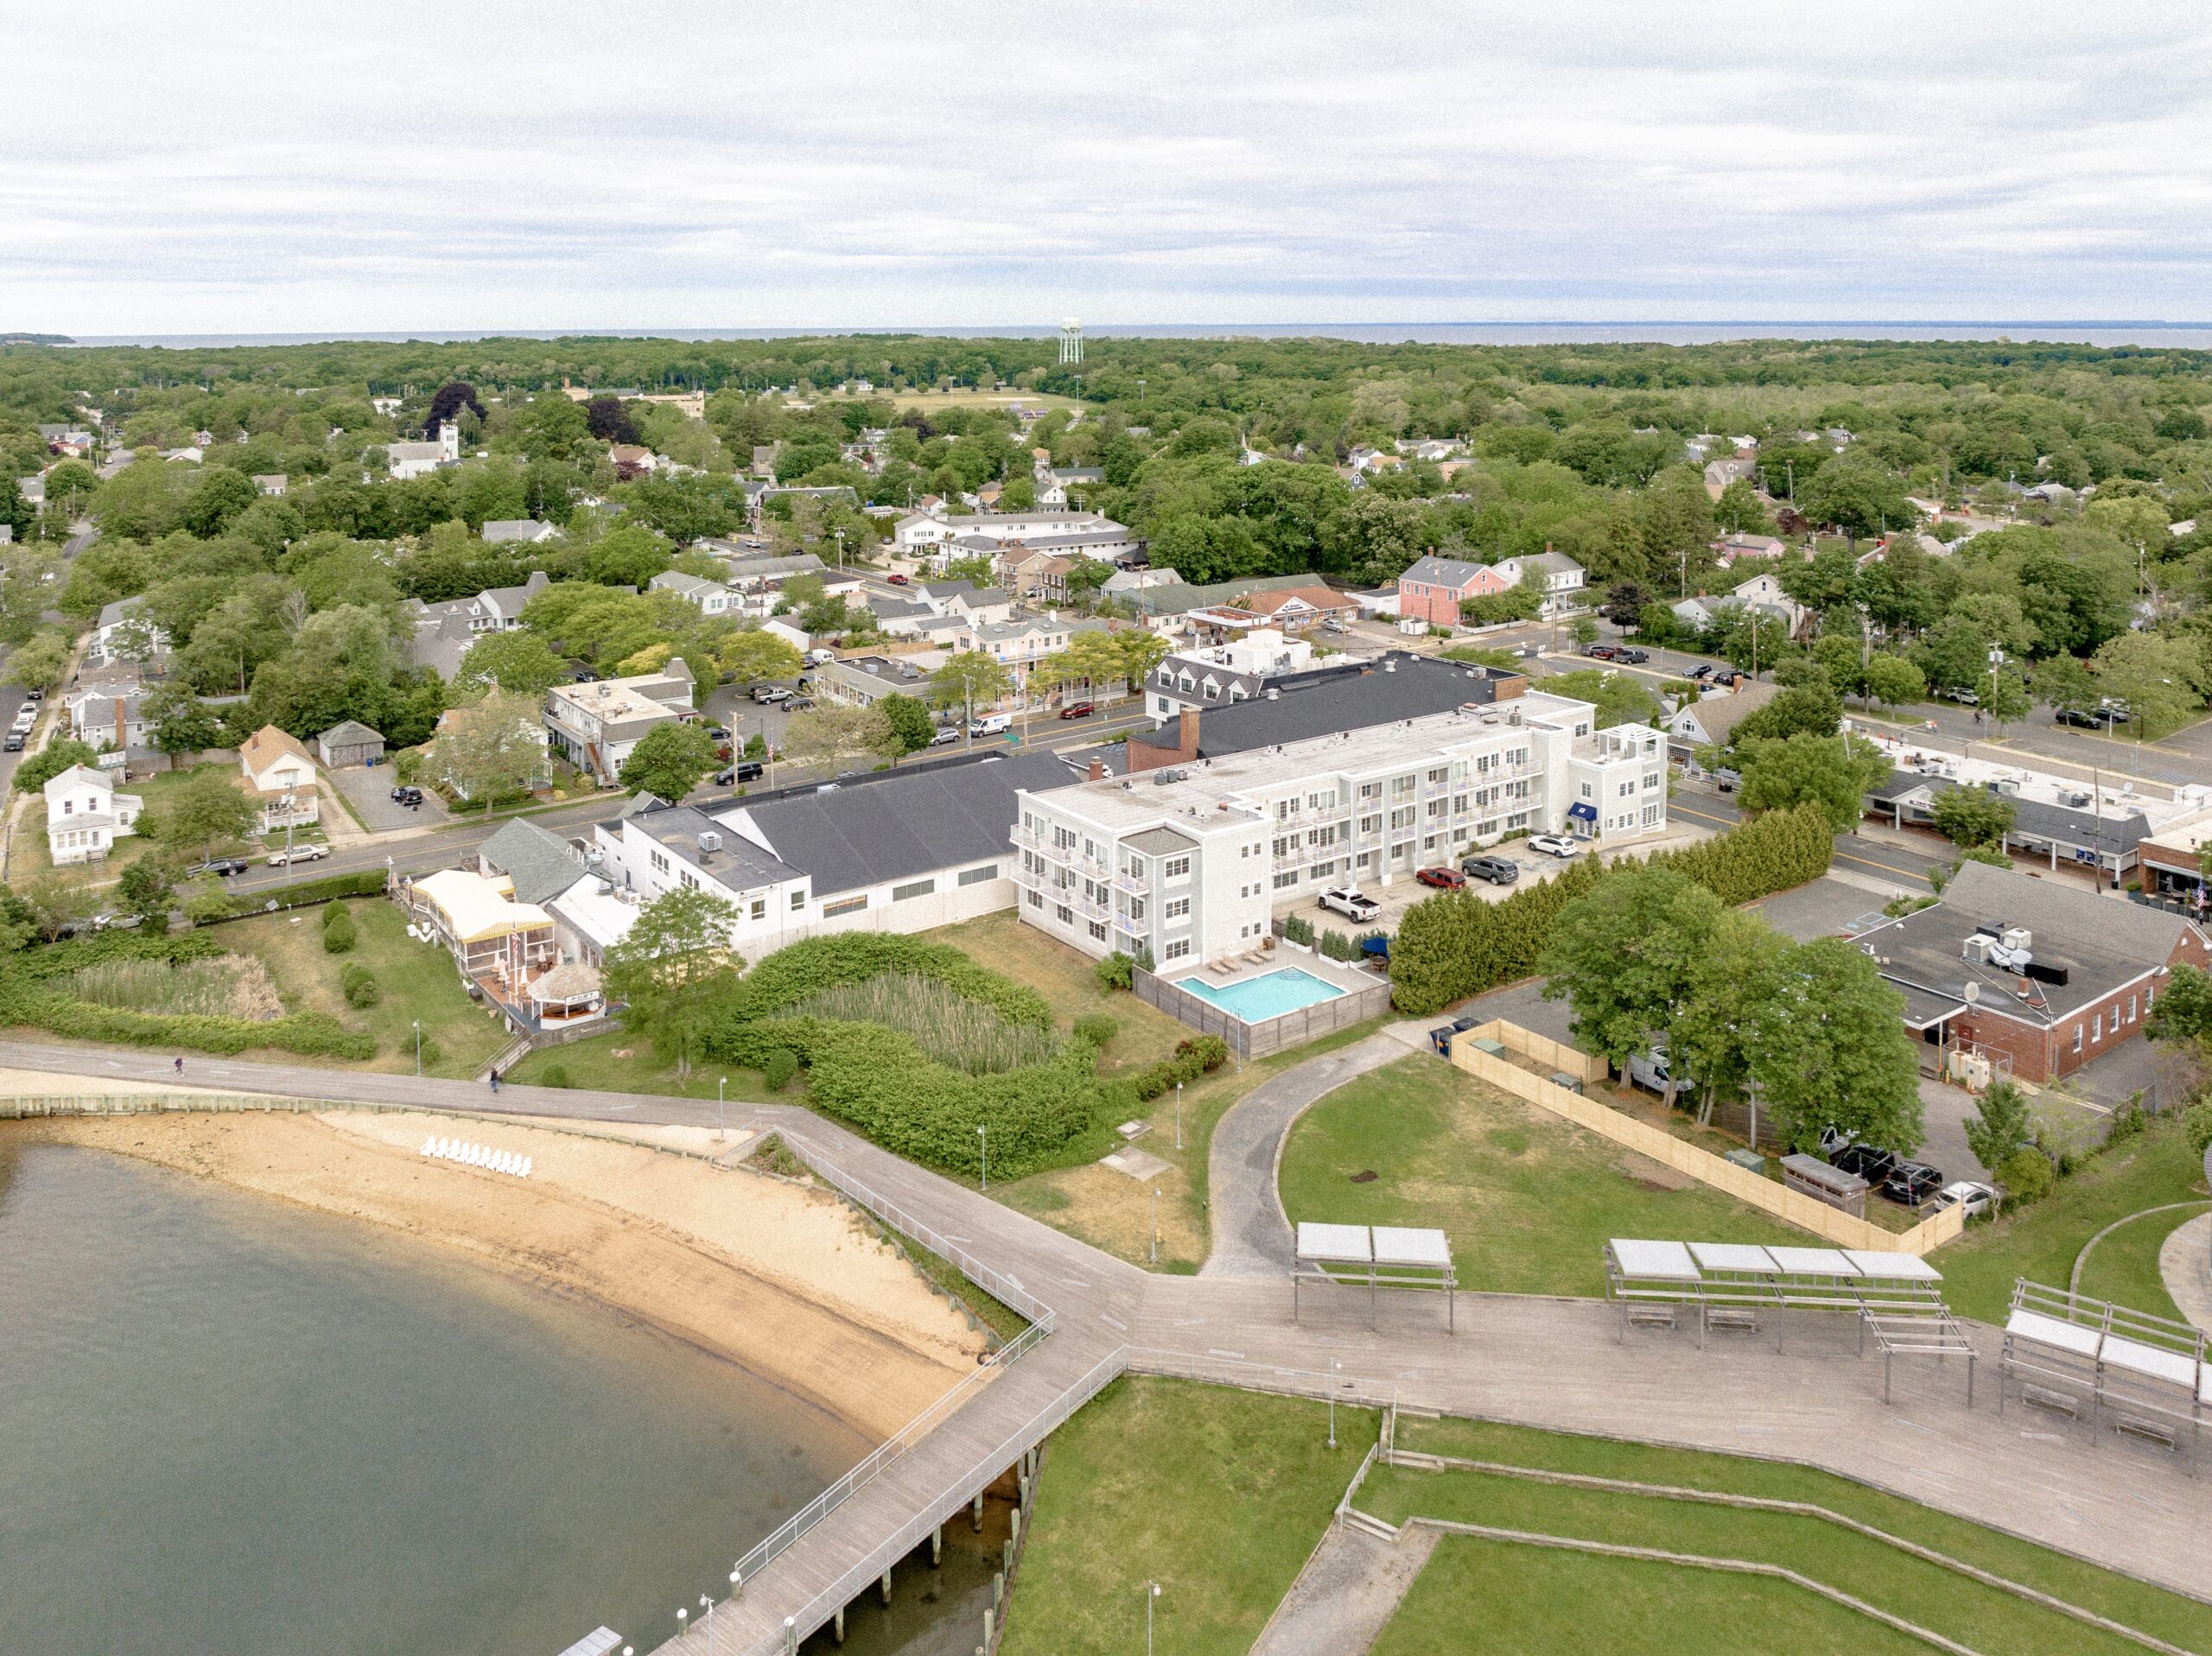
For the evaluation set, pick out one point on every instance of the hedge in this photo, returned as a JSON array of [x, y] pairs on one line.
[[1197, 1055], [880, 1082], [369, 882], [95, 949], [1454, 944]]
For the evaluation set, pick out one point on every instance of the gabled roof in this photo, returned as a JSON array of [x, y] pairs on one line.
[[1719, 715], [902, 825], [1443, 572], [350, 734], [77, 776], [268, 745], [540, 864]]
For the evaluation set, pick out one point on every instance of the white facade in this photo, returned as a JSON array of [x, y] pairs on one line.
[[1192, 860], [927, 534], [85, 816], [709, 597], [1561, 575], [417, 460]]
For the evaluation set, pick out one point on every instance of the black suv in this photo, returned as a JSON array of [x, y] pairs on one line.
[[1912, 1184], [408, 795], [1871, 1164], [1498, 871]]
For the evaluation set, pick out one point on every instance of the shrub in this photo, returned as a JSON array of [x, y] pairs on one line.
[[332, 915], [779, 1068], [360, 985], [45, 1000], [338, 934], [1297, 928], [2196, 1122], [1337, 947], [1097, 1028], [432, 1053], [2026, 1174], [555, 1074], [1196, 1057], [2127, 1122], [1114, 972], [790, 975], [213, 905]]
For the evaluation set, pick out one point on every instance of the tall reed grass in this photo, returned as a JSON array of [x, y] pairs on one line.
[[229, 986], [952, 1029]]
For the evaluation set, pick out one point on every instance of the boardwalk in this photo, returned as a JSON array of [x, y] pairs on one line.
[[1532, 1360]]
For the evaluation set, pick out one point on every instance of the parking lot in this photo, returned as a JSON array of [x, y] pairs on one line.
[[1403, 891]]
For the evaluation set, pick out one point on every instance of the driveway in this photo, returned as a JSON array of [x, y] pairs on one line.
[[368, 789], [1825, 907]]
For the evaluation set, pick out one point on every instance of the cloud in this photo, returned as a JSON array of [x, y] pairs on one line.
[[432, 167]]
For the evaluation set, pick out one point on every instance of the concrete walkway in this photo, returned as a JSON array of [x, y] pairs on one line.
[[1527, 1360], [1347, 1593], [2185, 1262], [1251, 1237]]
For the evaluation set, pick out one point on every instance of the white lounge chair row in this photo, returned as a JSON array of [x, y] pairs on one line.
[[483, 1156]]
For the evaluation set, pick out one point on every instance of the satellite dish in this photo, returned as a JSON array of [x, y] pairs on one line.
[[1974, 993]]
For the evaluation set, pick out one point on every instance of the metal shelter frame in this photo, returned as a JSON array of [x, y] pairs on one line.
[[2152, 1375], [1380, 1256]]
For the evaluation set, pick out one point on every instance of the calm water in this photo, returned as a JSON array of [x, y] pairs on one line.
[[231, 1427]]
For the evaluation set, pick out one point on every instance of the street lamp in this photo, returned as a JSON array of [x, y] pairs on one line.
[[418, 1048], [1335, 1367], [984, 1135], [720, 1120], [1149, 1599], [1155, 1224]]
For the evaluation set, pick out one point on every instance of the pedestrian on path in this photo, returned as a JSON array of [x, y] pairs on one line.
[[180, 1063], [495, 1084]]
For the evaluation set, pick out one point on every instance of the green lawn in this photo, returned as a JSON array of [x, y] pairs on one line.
[[418, 980], [1950, 1604], [2040, 1241], [2123, 1267], [592, 1063], [1528, 1200], [1500, 1599], [1218, 1495]]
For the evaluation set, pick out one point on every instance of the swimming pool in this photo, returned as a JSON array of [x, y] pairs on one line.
[[1254, 1001]]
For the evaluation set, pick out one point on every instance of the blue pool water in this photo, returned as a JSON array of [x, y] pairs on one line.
[[1270, 995]]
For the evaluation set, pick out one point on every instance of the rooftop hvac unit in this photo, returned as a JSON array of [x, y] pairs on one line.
[[1273, 694], [2016, 938], [1978, 948], [1161, 778], [709, 842], [2077, 797]]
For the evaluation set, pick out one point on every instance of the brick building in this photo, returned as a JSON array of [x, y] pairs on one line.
[[1433, 588], [2033, 978]]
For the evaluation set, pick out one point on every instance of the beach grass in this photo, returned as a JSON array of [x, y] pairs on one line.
[[229, 986]]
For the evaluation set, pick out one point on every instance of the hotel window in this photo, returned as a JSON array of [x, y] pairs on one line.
[[1178, 868], [759, 908], [912, 889], [1065, 915], [1176, 951], [1036, 899], [1287, 879], [1177, 908], [799, 899], [977, 876], [1137, 908], [1098, 931]]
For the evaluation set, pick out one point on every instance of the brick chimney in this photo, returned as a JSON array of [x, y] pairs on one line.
[[1150, 753], [1186, 734], [1097, 771]]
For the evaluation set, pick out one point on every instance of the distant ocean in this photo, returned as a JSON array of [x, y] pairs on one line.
[[2180, 335]]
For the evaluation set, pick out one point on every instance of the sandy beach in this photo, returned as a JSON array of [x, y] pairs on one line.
[[777, 1277]]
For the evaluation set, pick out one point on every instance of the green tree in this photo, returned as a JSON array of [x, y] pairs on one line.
[[910, 721], [829, 733], [2184, 1014], [204, 810], [1828, 1047], [669, 760], [55, 905], [1893, 681], [1735, 974], [675, 970], [1973, 816], [1860, 497], [182, 723], [2001, 1124], [148, 889], [2063, 681], [750, 655], [1834, 773], [1619, 698], [39, 768], [492, 749], [516, 660], [1624, 955], [39, 664], [2160, 677], [969, 680]]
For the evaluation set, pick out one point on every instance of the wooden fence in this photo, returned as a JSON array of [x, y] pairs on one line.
[[1662, 1146]]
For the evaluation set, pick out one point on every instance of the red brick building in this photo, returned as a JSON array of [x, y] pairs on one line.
[[1433, 588], [2038, 976]]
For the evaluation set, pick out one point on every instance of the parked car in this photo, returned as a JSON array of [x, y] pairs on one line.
[[1650, 1071], [34, 694], [1727, 677], [1964, 698], [1971, 1194], [14, 743], [799, 704], [1602, 651], [1912, 1182], [585, 675], [1553, 845], [1630, 655], [221, 867], [1870, 1162], [407, 794], [2079, 720], [1498, 871], [1701, 671], [1727, 780], [897, 580], [745, 770], [1445, 879], [299, 854], [994, 724], [1078, 710], [719, 732], [945, 737], [766, 695], [1351, 903], [112, 921]]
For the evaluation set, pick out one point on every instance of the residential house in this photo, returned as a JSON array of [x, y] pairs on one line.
[[2008, 975], [634, 460], [271, 482], [32, 489], [349, 742], [1253, 664], [501, 531], [106, 711], [977, 605], [594, 727], [1433, 588], [1764, 592], [1710, 720], [1038, 574], [1735, 468], [538, 864], [412, 460], [1560, 575], [280, 778], [85, 816], [1123, 582], [1730, 547], [443, 632], [863, 681], [125, 632], [707, 597]]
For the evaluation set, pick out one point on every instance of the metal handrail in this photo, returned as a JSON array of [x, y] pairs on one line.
[[1262, 1377]]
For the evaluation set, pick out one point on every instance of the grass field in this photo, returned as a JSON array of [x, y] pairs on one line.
[[2041, 1241], [1218, 1495], [1604, 1595], [2123, 1267], [28, 856], [418, 980], [593, 1063], [1528, 1200]]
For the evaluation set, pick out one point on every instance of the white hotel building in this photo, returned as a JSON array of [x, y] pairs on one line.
[[1194, 860]]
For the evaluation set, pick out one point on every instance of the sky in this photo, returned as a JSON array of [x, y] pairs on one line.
[[477, 165]]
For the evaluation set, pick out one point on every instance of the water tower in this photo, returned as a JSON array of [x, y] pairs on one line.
[[1070, 341]]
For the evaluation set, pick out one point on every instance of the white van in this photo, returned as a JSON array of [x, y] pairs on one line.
[[992, 724]]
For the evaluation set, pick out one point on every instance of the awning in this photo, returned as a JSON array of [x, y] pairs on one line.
[[1583, 812], [1924, 1008]]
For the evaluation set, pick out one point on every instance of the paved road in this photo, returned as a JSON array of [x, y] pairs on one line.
[[1527, 1360], [1899, 863]]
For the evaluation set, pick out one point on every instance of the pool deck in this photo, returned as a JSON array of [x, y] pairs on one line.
[[1205, 983]]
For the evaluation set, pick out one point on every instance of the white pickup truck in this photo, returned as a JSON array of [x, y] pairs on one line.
[[1351, 903]]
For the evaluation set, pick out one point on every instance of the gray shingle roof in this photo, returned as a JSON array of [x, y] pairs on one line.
[[540, 863], [2111, 831], [905, 825], [1419, 687]]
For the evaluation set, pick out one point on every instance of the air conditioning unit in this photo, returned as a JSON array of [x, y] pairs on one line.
[[710, 842], [1978, 948], [2018, 937]]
